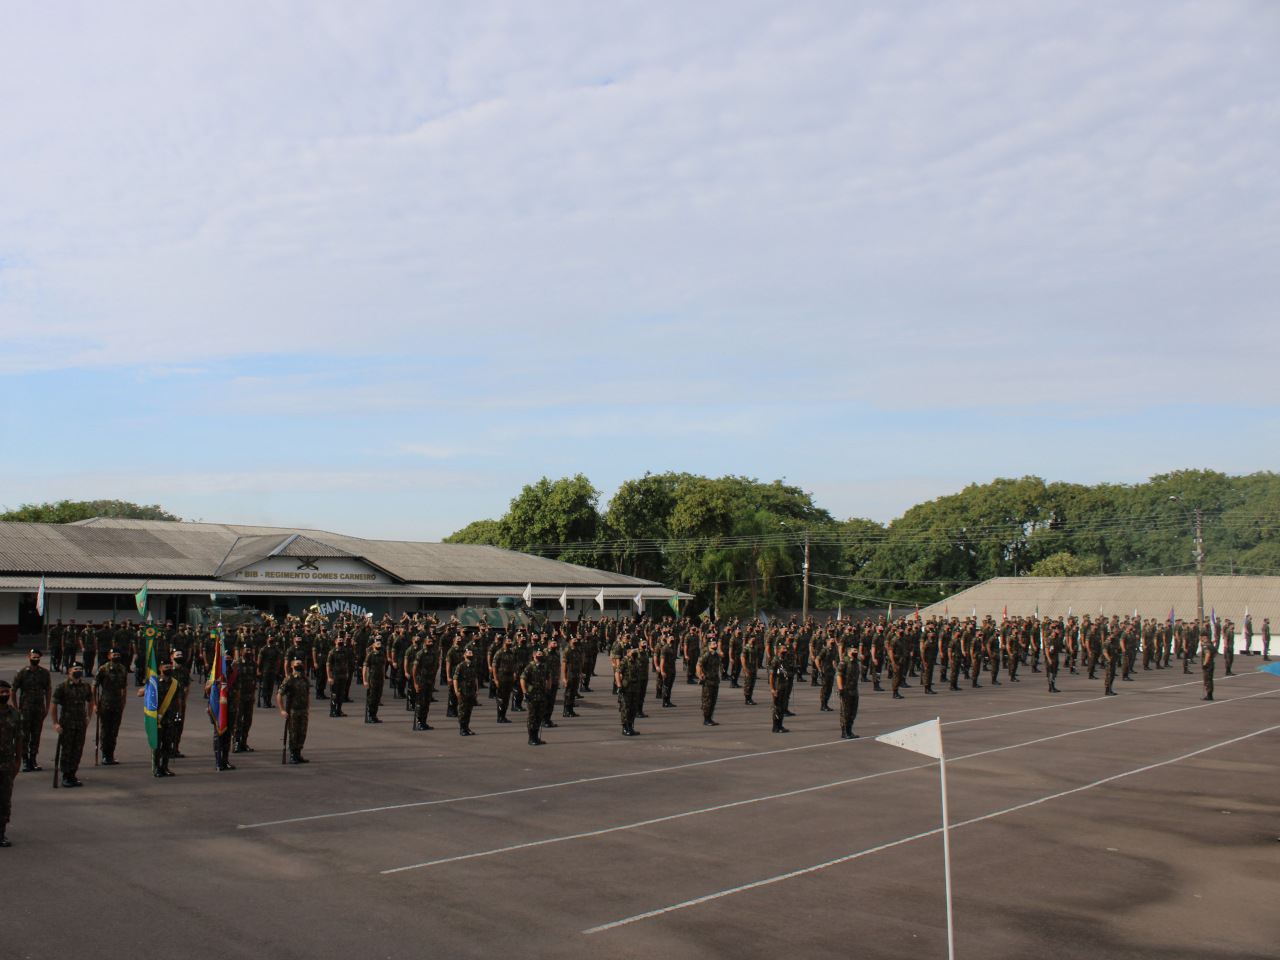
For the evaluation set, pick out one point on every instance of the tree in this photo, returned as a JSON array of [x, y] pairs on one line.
[[478, 531], [549, 513], [69, 511], [1066, 564]]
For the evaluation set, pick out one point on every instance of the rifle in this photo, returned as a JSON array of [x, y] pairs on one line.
[[57, 755], [284, 742], [97, 726]]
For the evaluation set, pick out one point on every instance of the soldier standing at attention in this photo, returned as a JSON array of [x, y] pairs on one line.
[[1228, 635], [847, 674], [1112, 652], [824, 669], [664, 662], [708, 670], [338, 669], [294, 700], [109, 688], [244, 692], [502, 668], [750, 664], [929, 657], [270, 663], [534, 684], [1266, 638], [552, 662], [452, 660], [33, 686], [466, 688], [70, 708], [56, 634], [1052, 652], [572, 675], [11, 748], [423, 680], [623, 681], [375, 674], [1208, 653], [781, 677], [182, 673]]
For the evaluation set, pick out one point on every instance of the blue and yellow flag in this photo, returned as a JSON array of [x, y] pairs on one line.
[[218, 683]]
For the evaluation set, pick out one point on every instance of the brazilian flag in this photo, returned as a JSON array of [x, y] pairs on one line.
[[151, 693]]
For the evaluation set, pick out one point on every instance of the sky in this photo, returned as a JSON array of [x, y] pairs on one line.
[[373, 267]]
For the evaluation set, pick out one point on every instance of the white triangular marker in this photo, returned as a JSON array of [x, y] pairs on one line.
[[923, 738]]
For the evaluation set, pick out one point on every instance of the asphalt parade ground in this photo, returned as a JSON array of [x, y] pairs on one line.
[[1144, 825]]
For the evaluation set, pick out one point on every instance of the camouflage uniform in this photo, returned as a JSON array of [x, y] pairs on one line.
[[375, 674], [294, 697], [709, 663], [32, 685], [535, 682], [848, 672], [465, 682], [74, 699], [424, 676], [110, 684], [10, 733]]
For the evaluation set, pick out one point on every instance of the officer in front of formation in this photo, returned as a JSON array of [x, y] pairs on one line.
[[33, 687], [70, 708]]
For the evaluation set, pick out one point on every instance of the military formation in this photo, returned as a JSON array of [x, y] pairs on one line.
[[419, 661]]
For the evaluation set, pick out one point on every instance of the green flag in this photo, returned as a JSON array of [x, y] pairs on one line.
[[140, 598], [675, 602], [151, 698]]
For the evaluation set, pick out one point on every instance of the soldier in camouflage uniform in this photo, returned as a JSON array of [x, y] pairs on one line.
[[109, 687], [782, 674], [70, 708], [338, 667], [848, 672], [824, 671], [375, 674], [466, 688], [708, 670], [168, 709], [535, 683], [11, 749], [750, 664], [294, 699], [423, 679], [33, 687], [270, 666], [572, 666], [624, 681], [243, 694]]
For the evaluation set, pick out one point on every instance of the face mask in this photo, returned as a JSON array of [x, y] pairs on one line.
[[77, 674], [4, 698]]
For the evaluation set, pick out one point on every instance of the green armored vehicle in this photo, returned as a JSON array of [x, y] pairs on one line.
[[511, 613]]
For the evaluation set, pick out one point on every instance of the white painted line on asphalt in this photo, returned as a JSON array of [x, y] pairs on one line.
[[791, 793], [646, 823], [414, 804], [919, 836]]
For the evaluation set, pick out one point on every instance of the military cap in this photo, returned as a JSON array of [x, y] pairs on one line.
[[75, 664], [4, 685], [33, 652]]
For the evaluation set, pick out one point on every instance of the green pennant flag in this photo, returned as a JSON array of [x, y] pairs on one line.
[[151, 698], [675, 602], [140, 598]]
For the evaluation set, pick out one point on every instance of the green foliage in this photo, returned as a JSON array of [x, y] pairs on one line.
[[1066, 564], [69, 511], [478, 531], [740, 542]]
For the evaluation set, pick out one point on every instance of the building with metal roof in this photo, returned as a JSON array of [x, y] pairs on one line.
[[92, 569], [1150, 597]]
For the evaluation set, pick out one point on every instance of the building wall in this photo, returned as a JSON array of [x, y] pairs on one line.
[[8, 619]]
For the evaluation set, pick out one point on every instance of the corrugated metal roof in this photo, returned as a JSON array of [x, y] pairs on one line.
[[29, 584], [156, 548], [1152, 597]]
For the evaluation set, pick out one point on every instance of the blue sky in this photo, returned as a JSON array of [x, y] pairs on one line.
[[372, 269]]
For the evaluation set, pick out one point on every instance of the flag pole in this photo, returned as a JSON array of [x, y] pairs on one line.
[[946, 857]]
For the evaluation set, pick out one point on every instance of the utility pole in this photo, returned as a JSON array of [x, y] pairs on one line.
[[1199, 571], [804, 613]]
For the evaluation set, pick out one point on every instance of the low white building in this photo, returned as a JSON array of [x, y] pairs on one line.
[[93, 569]]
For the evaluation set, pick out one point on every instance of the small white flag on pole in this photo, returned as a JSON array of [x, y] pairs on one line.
[[926, 738], [564, 599], [40, 599], [600, 598], [923, 738], [638, 600], [528, 594]]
